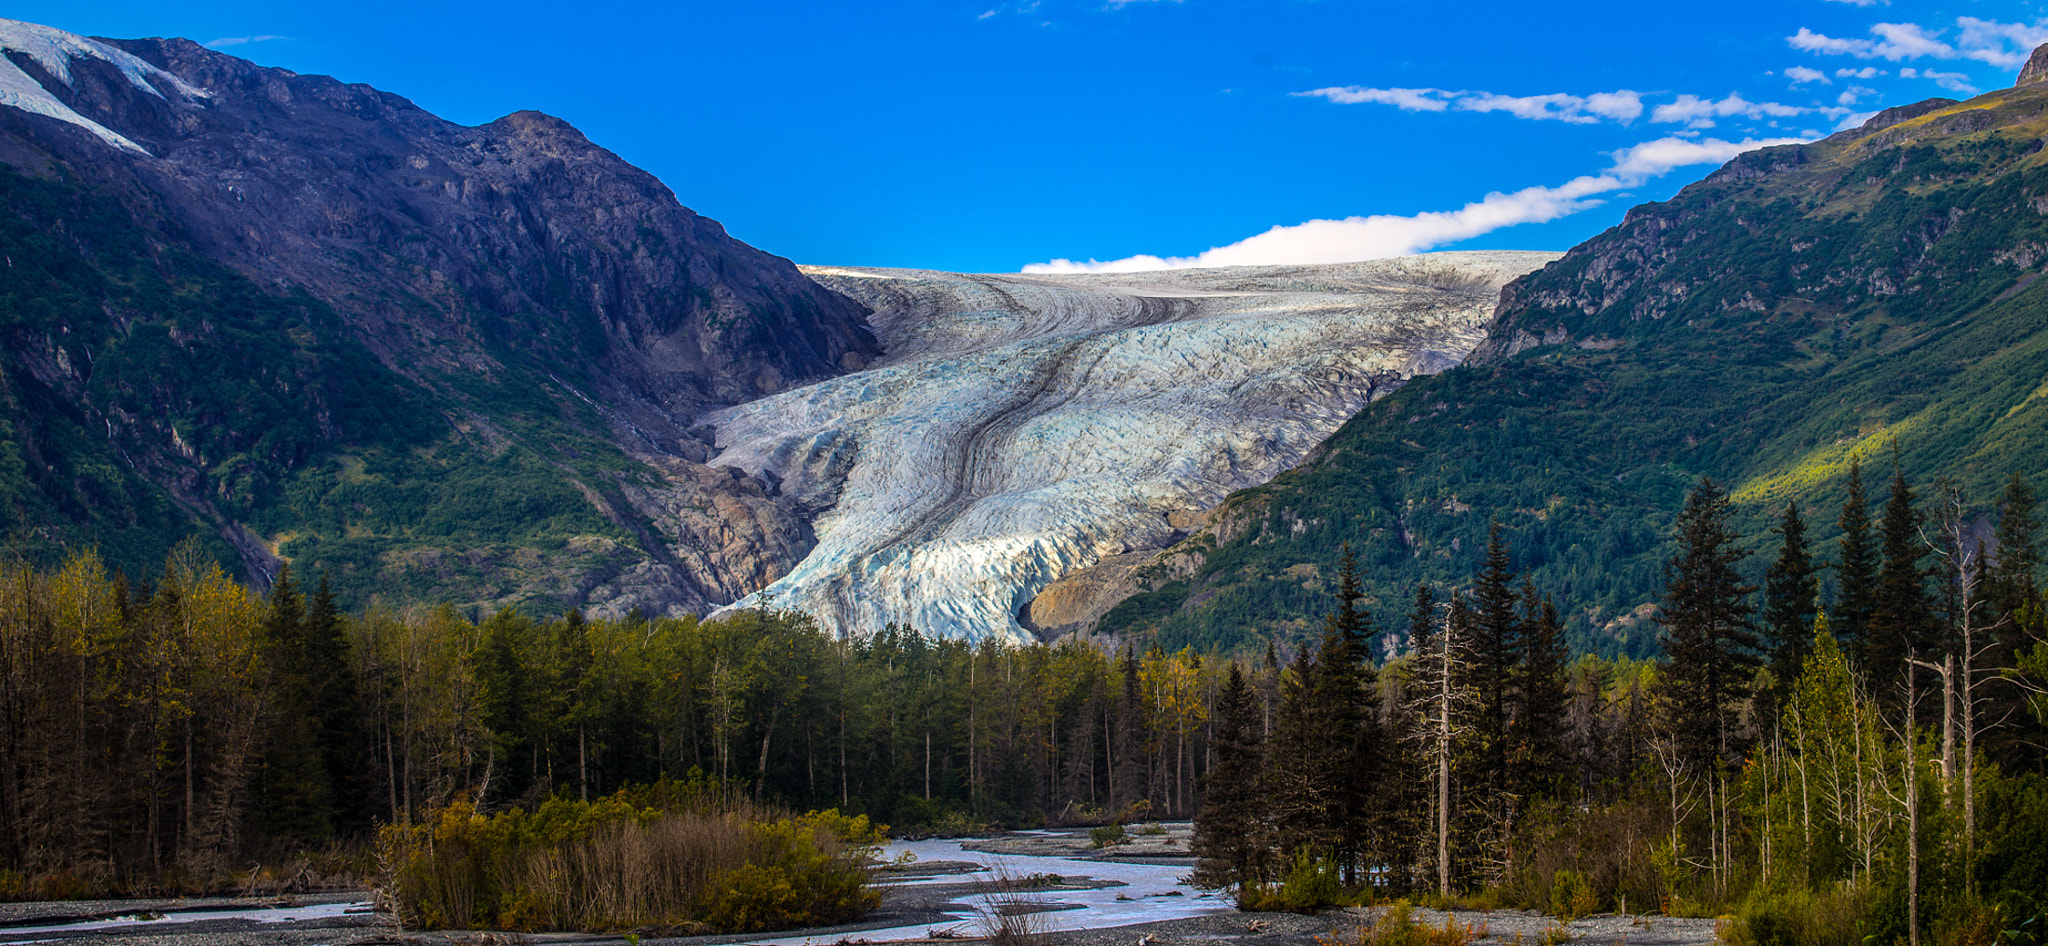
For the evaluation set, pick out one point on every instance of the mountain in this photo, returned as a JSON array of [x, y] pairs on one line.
[[1026, 433], [1801, 307], [307, 320]]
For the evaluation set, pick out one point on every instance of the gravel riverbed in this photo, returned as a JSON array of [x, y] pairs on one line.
[[1129, 895]]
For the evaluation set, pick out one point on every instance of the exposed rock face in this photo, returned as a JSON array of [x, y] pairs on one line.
[[2036, 69], [513, 250], [519, 231], [1023, 428]]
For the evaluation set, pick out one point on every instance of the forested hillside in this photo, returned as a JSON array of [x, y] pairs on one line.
[[308, 321], [1870, 296]]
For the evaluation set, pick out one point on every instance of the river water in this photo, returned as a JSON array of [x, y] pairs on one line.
[[1143, 893]]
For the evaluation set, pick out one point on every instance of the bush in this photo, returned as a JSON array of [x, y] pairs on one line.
[[1396, 926], [1109, 835], [1801, 918], [1310, 885], [1571, 896], [609, 865]]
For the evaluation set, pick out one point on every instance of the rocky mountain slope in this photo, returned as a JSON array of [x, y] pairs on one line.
[[1803, 306], [363, 320], [1028, 431]]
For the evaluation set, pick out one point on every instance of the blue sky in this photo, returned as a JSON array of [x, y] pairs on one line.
[[992, 135]]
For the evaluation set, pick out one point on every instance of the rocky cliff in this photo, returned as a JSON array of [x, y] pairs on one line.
[[507, 263], [1022, 431]]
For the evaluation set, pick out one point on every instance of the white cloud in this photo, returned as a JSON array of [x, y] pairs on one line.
[[1384, 235], [2006, 45], [1854, 120], [1861, 3], [1621, 105], [1895, 41], [1407, 100], [1854, 94], [1695, 112], [1952, 81], [2001, 44], [1867, 72], [1801, 75], [227, 41]]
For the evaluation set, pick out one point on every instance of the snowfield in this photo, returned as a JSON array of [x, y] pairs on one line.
[[1023, 427]]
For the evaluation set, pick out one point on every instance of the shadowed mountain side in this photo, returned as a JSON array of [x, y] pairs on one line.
[[555, 321]]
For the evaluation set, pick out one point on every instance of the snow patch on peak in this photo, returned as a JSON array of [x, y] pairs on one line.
[[53, 50]]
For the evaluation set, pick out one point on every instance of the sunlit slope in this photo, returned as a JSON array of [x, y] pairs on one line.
[[1022, 428], [1803, 306]]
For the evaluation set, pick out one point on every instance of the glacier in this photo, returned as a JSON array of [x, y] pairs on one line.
[[1020, 428], [53, 50]]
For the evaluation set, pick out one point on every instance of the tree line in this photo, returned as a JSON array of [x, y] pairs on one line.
[[1835, 727], [169, 737]]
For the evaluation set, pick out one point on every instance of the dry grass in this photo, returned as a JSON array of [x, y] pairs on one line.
[[608, 866], [1397, 926], [1009, 913]]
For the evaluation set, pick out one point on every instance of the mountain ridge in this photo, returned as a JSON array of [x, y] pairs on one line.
[[1802, 307], [539, 294]]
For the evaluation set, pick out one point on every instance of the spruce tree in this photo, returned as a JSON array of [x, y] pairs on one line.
[[2011, 579], [1540, 750], [1230, 843], [1856, 571], [1708, 640], [1790, 588], [338, 705], [1901, 611], [1305, 813], [296, 796], [1422, 620], [1496, 649], [1342, 692]]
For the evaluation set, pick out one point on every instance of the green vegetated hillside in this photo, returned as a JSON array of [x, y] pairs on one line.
[[1803, 306], [154, 394]]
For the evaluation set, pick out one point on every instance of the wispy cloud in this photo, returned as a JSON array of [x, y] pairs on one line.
[[1988, 41], [1621, 105], [1695, 112], [1860, 3], [1800, 75], [227, 41], [1952, 81], [1384, 235]]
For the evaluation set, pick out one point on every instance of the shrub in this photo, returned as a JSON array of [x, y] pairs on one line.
[[1397, 926], [1109, 835], [609, 865], [1800, 918], [1310, 885], [1571, 896]]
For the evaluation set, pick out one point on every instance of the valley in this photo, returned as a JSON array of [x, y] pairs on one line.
[[1019, 431]]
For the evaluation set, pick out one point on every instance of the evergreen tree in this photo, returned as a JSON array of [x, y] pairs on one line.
[[1541, 758], [1708, 640], [338, 708], [2011, 583], [1421, 620], [1230, 843], [1341, 691], [1856, 572], [296, 796], [1901, 613], [502, 675], [1305, 811], [1791, 586], [1496, 650], [2015, 612]]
